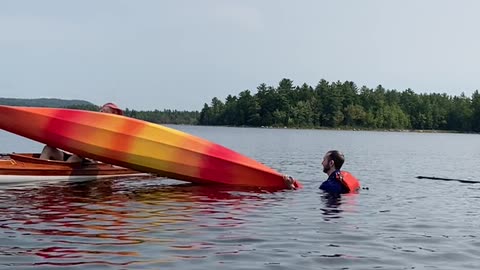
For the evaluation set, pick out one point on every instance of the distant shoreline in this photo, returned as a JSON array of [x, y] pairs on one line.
[[350, 129]]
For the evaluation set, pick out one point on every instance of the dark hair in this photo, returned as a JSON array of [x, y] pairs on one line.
[[337, 158]]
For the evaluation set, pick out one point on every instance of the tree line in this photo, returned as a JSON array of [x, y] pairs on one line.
[[331, 105], [343, 104], [160, 117], [43, 102]]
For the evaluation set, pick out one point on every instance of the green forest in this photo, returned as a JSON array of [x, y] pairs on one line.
[[344, 105], [44, 102], [327, 105], [155, 116]]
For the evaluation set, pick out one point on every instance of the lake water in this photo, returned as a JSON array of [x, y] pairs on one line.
[[399, 222]]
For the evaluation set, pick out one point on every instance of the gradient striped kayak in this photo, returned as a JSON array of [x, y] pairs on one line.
[[28, 168], [139, 145]]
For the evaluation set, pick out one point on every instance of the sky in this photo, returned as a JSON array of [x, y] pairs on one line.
[[179, 54]]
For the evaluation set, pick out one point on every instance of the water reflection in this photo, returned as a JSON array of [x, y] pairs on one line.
[[332, 204], [336, 204], [107, 223]]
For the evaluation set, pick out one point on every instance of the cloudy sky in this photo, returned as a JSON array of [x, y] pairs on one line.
[[180, 54]]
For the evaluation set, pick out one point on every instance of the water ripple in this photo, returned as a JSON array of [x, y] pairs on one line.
[[400, 222]]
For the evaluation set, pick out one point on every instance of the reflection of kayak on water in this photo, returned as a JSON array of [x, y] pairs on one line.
[[27, 167]]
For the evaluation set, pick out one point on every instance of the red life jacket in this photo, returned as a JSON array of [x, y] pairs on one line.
[[349, 181]]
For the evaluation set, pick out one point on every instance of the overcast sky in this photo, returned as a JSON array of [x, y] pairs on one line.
[[180, 54]]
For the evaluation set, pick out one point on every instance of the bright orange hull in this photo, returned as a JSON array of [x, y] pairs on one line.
[[138, 145]]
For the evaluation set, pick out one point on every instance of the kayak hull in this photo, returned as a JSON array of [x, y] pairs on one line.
[[27, 168], [139, 145]]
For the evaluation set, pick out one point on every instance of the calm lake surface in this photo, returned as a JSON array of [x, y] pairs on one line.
[[399, 222]]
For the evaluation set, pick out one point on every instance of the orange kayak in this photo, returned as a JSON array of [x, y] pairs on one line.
[[27, 167], [139, 145]]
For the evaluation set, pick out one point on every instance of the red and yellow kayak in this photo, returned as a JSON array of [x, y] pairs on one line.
[[139, 145], [28, 168]]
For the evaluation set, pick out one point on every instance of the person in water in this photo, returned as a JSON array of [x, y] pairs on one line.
[[332, 163], [53, 153], [338, 182]]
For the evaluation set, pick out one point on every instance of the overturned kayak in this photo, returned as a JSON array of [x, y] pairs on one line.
[[139, 145], [27, 167]]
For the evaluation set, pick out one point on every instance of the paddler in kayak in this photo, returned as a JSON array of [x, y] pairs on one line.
[[52, 153], [338, 181]]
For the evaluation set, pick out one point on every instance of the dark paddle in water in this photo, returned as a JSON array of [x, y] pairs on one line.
[[449, 179]]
